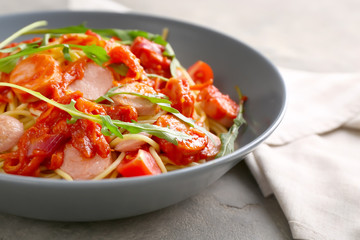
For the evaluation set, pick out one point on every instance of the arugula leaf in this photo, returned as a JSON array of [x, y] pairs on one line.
[[162, 101], [169, 51], [7, 66], [174, 65], [21, 32], [153, 98], [106, 122], [123, 34], [46, 39], [95, 53], [69, 29], [126, 36], [157, 76], [121, 69], [160, 132], [109, 127], [20, 47], [228, 139], [108, 95], [66, 52]]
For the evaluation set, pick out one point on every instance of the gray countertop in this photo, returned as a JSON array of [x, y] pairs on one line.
[[309, 35]]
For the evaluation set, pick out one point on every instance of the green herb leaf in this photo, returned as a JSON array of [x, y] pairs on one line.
[[66, 52], [153, 98], [95, 53], [7, 66], [165, 133], [69, 29], [162, 101], [21, 32], [108, 95], [121, 69], [45, 40], [160, 132], [109, 127], [169, 52], [174, 65], [20, 47], [157, 76], [228, 139], [124, 35]]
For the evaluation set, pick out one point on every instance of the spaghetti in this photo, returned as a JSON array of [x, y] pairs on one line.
[[95, 105]]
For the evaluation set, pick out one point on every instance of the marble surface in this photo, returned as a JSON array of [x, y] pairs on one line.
[[310, 35]]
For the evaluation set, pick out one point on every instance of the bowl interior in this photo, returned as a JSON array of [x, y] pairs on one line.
[[233, 63]]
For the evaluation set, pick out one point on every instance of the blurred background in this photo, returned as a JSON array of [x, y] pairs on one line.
[[321, 35]]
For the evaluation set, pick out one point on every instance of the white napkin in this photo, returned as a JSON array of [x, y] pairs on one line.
[[311, 163]]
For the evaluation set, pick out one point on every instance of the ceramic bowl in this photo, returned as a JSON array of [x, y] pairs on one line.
[[233, 63]]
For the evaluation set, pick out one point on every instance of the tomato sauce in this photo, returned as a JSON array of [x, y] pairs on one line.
[[44, 143]]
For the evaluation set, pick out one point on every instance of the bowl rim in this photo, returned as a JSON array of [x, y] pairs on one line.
[[246, 149]]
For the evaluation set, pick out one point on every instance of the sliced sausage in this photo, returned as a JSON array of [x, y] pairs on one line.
[[212, 148], [179, 94], [129, 145], [80, 168], [218, 106], [11, 130], [38, 72], [188, 150], [142, 105], [95, 83]]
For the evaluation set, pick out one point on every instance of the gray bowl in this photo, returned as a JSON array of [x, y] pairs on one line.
[[234, 64]]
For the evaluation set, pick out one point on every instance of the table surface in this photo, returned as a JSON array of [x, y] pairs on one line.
[[309, 35]]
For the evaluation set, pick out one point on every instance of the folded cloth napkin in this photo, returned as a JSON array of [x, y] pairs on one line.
[[311, 163]]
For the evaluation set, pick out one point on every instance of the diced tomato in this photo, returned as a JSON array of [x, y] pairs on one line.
[[38, 72], [186, 151], [151, 56], [218, 106], [122, 54], [122, 113], [56, 159], [179, 94], [201, 72], [91, 33], [139, 164], [39, 105], [73, 71], [89, 107], [201, 86], [87, 39]]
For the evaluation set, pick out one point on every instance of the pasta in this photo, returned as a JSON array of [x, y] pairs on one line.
[[93, 105]]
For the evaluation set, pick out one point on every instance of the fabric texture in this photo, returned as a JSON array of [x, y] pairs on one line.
[[311, 162]]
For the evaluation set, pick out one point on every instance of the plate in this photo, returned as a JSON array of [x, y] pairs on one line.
[[234, 64]]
